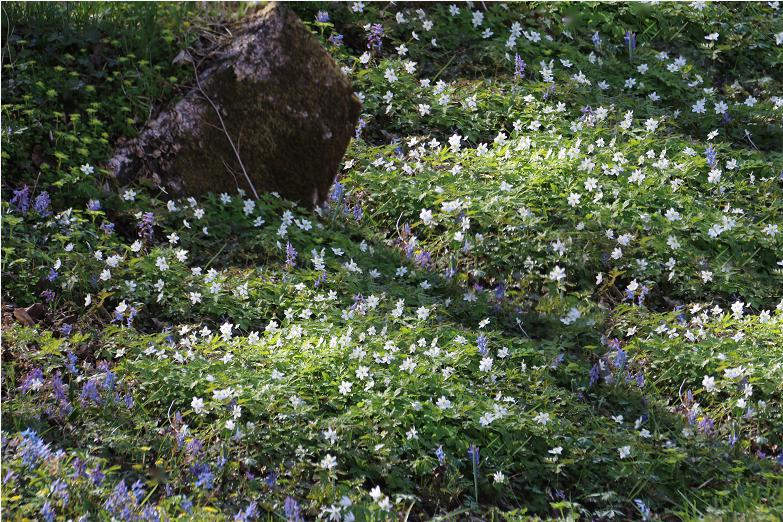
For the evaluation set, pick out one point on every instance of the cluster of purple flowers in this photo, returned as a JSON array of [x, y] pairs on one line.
[[290, 255], [423, 259], [630, 295], [249, 513], [374, 40], [21, 199], [292, 510], [33, 449], [441, 455], [107, 227], [205, 478], [146, 226], [48, 295], [483, 344], [595, 373], [33, 380], [519, 67], [712, 156], [359, 128], [42, 204], [337, 193], [630, 40]]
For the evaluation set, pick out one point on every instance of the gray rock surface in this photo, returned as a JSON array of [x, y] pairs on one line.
[[288, 109]]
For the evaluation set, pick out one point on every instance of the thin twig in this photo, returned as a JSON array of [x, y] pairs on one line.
[[231, 171], [225, 130], [747, 135]]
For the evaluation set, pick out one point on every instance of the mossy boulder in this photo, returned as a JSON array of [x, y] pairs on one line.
[[287, 114]]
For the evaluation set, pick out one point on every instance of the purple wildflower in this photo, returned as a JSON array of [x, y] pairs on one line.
[[423, 259], [642, 294], [519, 67], [712, 156], [132, 313], [119, 500], [249, 513], [596, 39], [359, 127], [109, 381], [94, 205], [586, 111], [79, 468], [620, 359], [58, 388], [42, 203], [146, 225], [441, 455], [271, 479], [90, 392], [108, 228], [47, 512], [195, 447], [374, 41], [71, 364], [60, 490], [640, 379], [138, 490], [9, 476], [204, 476], [406, 230], [338, 191], [21, 199], [150, 514], [322, 17], [97, 476], [706, 425], [186, 504], [482, 343], [290, 255], [630, 40], [33, 380], [336, 39], [33, 449], [595, 374], [293, 512]]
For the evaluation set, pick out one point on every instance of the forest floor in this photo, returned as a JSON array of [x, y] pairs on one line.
[[547, 284]]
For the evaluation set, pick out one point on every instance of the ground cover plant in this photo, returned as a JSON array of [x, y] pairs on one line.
[[547, 283]]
